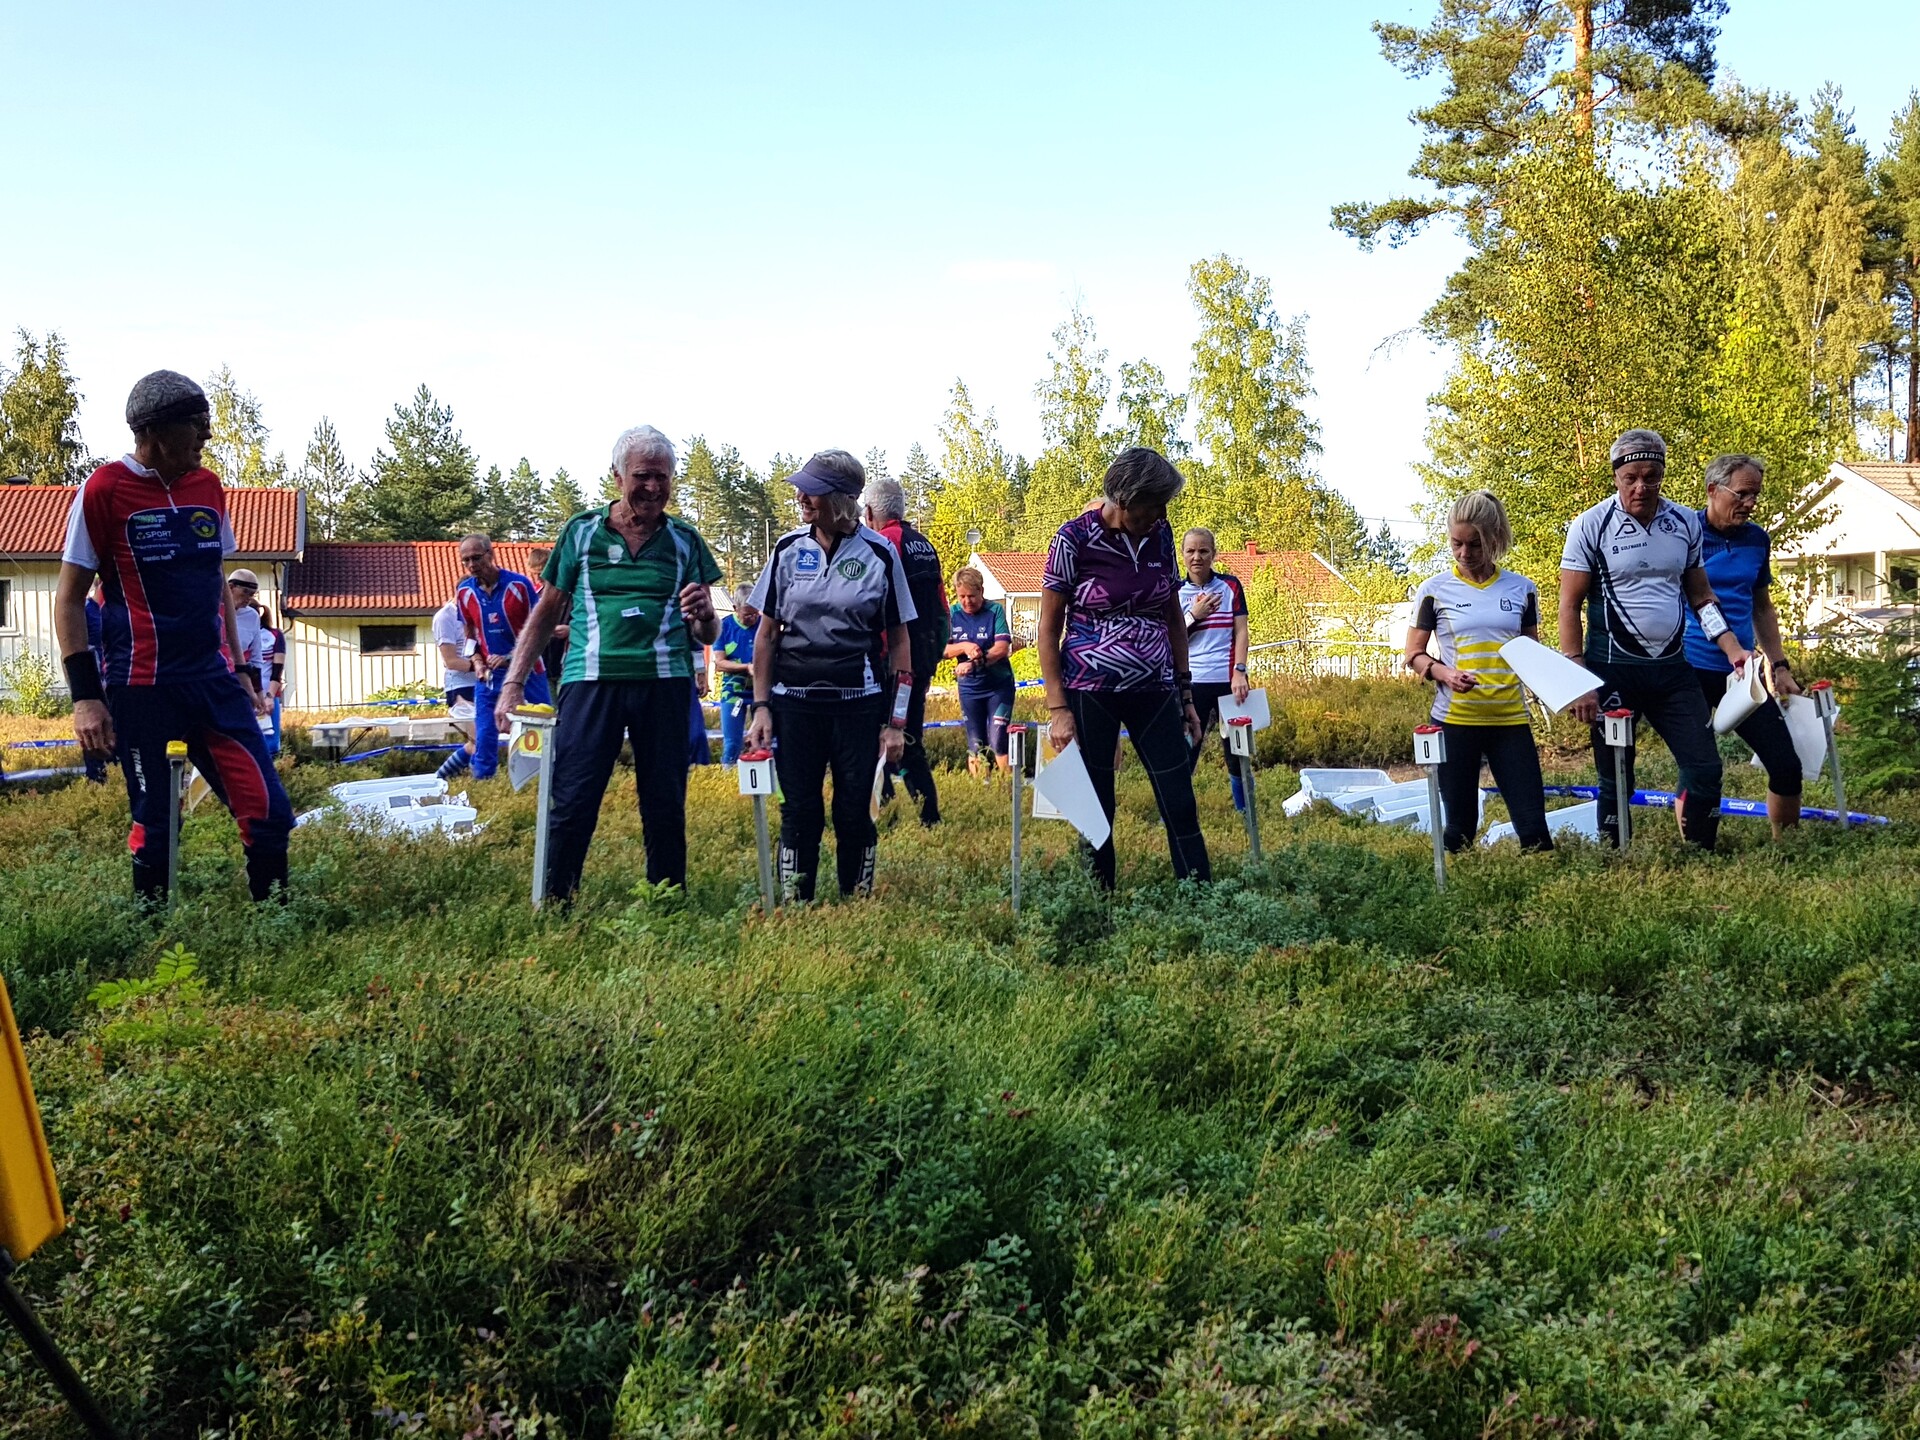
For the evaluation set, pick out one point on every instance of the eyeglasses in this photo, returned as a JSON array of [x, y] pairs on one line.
[[1745, 497]]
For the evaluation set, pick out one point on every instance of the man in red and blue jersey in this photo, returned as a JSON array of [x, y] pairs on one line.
[[494, 604], [153, 526]]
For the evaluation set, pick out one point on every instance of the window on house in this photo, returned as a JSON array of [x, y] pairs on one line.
[[1903, 579], [6, 605], [387, 639]]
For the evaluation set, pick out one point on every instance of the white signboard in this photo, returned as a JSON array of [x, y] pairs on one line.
[[1557, 680]]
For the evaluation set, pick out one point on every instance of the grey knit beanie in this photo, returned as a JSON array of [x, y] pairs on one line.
[[162, 398]]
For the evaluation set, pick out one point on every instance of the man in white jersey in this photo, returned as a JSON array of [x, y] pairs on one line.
[[1634, 562]]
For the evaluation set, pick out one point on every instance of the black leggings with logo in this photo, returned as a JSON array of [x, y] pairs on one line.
[[1154, 722], [1510, 753], [811, 738]]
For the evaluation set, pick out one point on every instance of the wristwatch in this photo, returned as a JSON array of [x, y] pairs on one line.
[[1239, 669]]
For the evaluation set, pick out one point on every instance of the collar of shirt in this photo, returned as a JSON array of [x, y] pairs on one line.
[[137, 468]]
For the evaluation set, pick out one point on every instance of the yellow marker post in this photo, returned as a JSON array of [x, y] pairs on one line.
[[31, 1215], [176, 771], [530, 756], [30, 1211]]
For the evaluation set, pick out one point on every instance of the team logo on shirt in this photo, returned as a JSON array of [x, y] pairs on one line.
[[1509, 604], [203, 523], [1667, 526], [806, 562], [852, 568]]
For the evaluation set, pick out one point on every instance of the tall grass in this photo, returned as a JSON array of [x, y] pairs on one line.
[[1582, 1145]]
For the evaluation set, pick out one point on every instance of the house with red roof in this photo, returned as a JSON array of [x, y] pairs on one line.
[[270, 526], [1013, 577], [361, 615]]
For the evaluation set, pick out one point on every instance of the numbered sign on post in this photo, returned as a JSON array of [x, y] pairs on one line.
[[1429, 745], [1240, 735], [1824, 704], [1618, 728], [756, 772]]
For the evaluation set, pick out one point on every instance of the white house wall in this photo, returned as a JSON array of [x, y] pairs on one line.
[[1865, 527], [29, 620], [326, 671], [28, 624]]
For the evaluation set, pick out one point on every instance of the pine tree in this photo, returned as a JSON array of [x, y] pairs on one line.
[[922, 481], [563, 501], [423, 485], [39, 415], [330, 483], [512, 505]]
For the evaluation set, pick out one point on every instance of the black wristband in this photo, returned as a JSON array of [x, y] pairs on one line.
[[761, 704], [1182, 679], [1780, 664], [83, 676]]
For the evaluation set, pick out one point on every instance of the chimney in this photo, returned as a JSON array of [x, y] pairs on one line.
[[1252, 549]]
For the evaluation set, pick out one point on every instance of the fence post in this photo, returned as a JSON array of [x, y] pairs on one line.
[[1017, 756], [1240, 747], [1429, 752], [1827, 707], [176, 796], [755, 771], [1618, 731], [13, 1305], [534, 734]]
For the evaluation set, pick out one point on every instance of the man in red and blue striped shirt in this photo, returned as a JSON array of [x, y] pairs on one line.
[[494, 604], [153, 525]]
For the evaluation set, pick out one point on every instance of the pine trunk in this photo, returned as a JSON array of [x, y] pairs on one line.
[[1582, 67], [1913, 374]]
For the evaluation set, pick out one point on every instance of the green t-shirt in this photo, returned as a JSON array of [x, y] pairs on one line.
[[626, 621]]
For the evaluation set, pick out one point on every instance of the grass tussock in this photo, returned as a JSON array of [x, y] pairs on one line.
[[1582, 1146]]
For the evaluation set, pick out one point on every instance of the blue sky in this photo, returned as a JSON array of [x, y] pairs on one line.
[[782, 226]]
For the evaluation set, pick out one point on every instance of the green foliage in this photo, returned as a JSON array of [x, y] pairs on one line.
[[722, 495], [330, 481], [32, 685], [512, 506], [564, 500], [424, 483], [237, 449], [1880, 725], [1581, 1144], [409, 690], [976, 490], [39, 415], [1613, 305]]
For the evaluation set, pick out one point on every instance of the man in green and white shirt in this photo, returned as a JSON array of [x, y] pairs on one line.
[[632, 583]]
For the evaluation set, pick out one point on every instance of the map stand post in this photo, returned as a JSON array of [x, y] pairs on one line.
[[1017, 757], [66, 1380], [530, 755], [756, 779], [1618, 726], [1827, 708], [176, 796], [1429, 751], [1240, 747]]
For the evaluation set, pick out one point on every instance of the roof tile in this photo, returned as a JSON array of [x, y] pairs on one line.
[[33, 521], [387, 577]]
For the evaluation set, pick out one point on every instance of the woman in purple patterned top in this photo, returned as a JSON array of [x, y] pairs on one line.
[[1113, 650]]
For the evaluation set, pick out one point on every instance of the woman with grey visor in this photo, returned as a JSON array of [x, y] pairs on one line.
[[832, 673]]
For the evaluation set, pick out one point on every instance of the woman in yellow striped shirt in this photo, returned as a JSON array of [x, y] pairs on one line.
[[1471, 610]]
